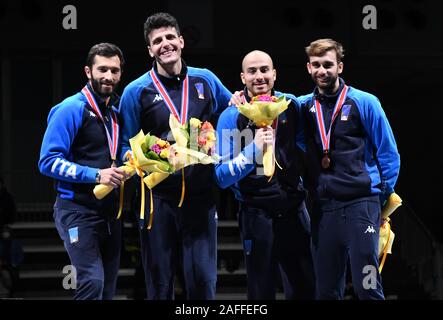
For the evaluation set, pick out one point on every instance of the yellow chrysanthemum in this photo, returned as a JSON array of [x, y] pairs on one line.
[[164, 153], [210, 136], [161, 143]]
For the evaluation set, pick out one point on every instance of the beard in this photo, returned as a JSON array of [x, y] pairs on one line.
[[327, 86], [102, 91]]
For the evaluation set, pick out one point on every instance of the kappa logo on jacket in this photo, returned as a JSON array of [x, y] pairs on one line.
[[312, 109], [370, 229], [158, 97], [92, 114]]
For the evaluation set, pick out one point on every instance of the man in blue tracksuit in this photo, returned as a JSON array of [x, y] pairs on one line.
[[352, 167], [274, 223], [79, 150], [185, 236]]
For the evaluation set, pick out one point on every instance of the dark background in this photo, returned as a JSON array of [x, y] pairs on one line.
[[400, 62]]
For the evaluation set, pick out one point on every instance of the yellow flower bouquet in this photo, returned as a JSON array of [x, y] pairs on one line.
[[154, 159], [149, 154], [263, 110], [386, 236], [195, 143]]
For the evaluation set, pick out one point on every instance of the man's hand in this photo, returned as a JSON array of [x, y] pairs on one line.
[[264, 136], [113, 177], [237, 98]]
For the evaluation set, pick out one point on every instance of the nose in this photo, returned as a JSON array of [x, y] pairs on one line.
[[321, 70], [107, 75], [259, 76], [165, 43]]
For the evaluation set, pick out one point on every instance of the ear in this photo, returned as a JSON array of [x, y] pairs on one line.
[[275, 74], [242, 76], [150, 52], [340, 67], [88, 72], [182, 42], [308, 66]]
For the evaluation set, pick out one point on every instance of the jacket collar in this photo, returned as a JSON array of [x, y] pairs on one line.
[[333, 96], [174, 80], [113, 101]]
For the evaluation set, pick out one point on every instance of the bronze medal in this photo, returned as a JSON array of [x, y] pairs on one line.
[[325, 136], [325, 162]]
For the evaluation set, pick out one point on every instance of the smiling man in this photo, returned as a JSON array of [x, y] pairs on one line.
[[183, 236], [352, 167], [273, 220], [79, 150]]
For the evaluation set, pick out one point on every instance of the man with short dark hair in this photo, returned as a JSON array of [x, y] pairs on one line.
[[79, 150], [185, 236]]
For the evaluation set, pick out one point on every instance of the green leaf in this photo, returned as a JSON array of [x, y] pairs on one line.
[[165, 166], [150, 140], [152, 155], [144, 147]]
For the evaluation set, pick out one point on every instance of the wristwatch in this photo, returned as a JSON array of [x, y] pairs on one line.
[[97, 176]]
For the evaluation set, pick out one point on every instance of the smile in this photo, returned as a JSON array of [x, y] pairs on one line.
[[166, 53]]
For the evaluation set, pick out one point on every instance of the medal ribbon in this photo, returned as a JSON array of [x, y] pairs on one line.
[[113, 137], [326, 137], [274, 126], [182, 119], [168, 101]]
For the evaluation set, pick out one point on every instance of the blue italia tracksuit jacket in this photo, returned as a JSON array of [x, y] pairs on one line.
[[274, 223], [74, 148], [185, 236], [364, 155], [142, 107], [237, 168], [346, 196]]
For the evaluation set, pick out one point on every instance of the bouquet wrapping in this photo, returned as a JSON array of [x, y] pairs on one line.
[[140, 159], [154, 159], [386, 236], [263, 110], [194, 143]]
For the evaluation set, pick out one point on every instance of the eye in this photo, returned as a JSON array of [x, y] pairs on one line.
[[264, 69], [252, 70]]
